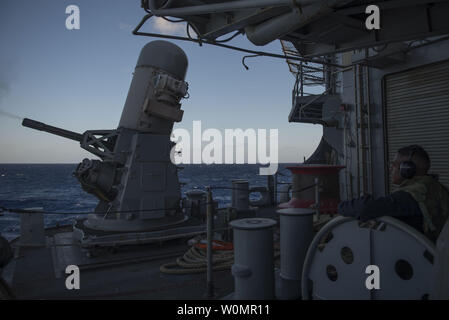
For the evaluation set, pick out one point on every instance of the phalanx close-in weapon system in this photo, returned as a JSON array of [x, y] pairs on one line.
[[135, 180]]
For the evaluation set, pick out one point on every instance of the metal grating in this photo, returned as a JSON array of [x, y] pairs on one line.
[[307, 74]]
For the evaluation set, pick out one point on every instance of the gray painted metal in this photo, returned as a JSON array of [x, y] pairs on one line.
[[400, 21], [277, 27], [240, 194], [168, 8], [157, 87], [32, 230], [324, 27], [195, 204], [284, 193], [336, 266], [136, 183], [94, 141], [417, 112], [133, 238], [296, 231], [322, 109], [253, 267], [129, 272], [148, 189], [421, 56], [166, 56], [441, 266], [53, 130]]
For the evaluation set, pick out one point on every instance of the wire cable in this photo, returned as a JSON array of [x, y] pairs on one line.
[[250, 56], [230, 38], [194, 261]]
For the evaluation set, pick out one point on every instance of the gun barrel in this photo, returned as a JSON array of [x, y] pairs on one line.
[[53, 130]]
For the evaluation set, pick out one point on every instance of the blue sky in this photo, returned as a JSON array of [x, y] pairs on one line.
[[79, 80]]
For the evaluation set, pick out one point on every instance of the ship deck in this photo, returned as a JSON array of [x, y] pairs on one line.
[[127, 272]]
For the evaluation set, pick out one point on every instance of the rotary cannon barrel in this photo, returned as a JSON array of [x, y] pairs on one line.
[[53, 130]]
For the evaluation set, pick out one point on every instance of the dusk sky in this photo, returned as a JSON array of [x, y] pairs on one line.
[[79, 80]]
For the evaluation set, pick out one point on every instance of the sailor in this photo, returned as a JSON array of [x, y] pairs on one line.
[[420, 200]]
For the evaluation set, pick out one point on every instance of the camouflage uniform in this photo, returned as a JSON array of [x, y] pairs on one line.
[[433, 200]]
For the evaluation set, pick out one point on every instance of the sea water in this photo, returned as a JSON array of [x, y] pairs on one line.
[[54, 188]]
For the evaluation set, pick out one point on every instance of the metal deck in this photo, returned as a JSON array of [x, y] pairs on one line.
[[129, 273], [125, 272]]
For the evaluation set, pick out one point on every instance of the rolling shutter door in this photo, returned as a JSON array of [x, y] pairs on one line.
[[417, 112]]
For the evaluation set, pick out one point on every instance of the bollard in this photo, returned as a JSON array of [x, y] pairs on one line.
[[234, 187], [240, 194], [197, 199], [304, 194], [253, 268], [296, 231], [284, 191]]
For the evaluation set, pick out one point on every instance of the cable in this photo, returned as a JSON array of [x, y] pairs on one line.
[[245, 57], [230, 38], [173, 21], [81, 213], [194, 261], [198, 39]]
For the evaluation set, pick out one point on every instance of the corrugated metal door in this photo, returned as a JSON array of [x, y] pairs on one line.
[[417, 112]]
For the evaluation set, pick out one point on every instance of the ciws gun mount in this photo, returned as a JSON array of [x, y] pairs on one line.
[[135, 180]]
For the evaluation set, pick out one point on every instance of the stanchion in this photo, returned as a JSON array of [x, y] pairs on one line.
[[210, 217]]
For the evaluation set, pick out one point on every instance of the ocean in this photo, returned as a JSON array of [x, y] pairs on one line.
[[54, 188]]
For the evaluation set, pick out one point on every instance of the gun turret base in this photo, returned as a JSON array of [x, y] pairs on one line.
[[97, 222], [91, 237]]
